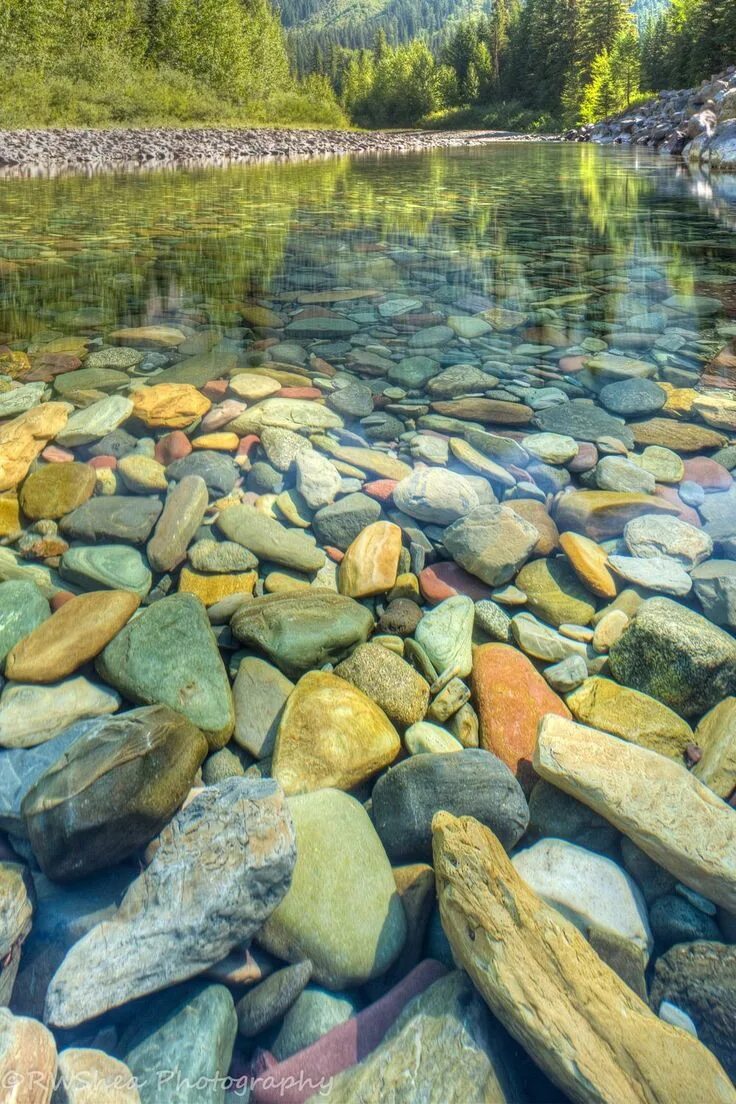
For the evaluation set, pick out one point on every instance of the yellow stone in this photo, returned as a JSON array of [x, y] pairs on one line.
[[261, 316], [367, 460], [280, 582], [284, 374], [331, 735], [9, 516], [590, 563], [477, 462], [23, 438], [212, 588], [371, 562], [173, 405], [149, 337], [75, 346], [406, 586], [220, 442], [716, 410], [679, 399], [14, 363], [294, 508]]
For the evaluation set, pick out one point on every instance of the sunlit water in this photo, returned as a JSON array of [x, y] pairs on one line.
[[612, 232]]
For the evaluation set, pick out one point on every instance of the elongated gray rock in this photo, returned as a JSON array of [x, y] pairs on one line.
[[182, 515], [222, 866], [115, 518], [112, 791], [269, 540], [579, 1021], [666, 811]]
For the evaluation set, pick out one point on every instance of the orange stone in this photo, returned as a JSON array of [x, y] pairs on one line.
[[371, 563], [220, 442], [604, 514], [590, 563], [536, 513], [511, 697]]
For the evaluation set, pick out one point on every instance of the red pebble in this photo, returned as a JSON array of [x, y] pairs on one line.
[[173, 446], [711, 475], [54, 454], [572, 364], [247, 444], [299, 393], [103, 462], [60, 599], [215, 389], [685, 512], [380, 489], [586, 459], [335, 554], [446, 579]]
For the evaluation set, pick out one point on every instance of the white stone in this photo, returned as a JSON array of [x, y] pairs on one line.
[[659, 573], [424, 738], [317, 479], [553, 448], [436, 495], [587, 888], [446, 634]]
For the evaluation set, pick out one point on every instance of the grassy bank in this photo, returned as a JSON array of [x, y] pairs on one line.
[[499, 116], [109, 89]]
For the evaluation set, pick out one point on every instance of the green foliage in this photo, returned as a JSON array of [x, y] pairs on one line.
[[107, 62]]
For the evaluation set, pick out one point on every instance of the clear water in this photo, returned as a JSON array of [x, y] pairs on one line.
[[518, 225]]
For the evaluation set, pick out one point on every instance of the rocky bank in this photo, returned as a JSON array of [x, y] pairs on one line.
[[32, 151], [368, 710], [698, 124]]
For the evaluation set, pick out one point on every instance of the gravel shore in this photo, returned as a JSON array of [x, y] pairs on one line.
[[28, 151]]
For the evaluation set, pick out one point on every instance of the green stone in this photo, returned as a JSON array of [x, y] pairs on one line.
[[90, 379], [111, 566], [22, 608], [168, 654], [555, 593]]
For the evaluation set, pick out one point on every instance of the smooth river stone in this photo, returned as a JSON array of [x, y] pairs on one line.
[[148, 337], [31, 715], [371, 562], [491, 542], [182, 516], [76, 633], [663, 808], [590, 563], [28, 1060], [170, 405], [90, 1076], [654, 573], [56, 489], [112, 791], [199, 370], [716, 738], [468, 782], [219, 472], [293, 414], [589, 889], [180, 1048], [331, 735], [649, 536], [511, 697], [113, 566], [678, 436], [169, 655], [486, 411], [111, 518], [601, 515], [90, 379], [260, 693], [583, 421], [268, 540], [587, 1030], [23, 438], [446, 634], [20, 767], [435, 495], [636, 717], [22, 609], [304, 630], [222, 866], [677, 656], [94, 422], [342, 910], [554, 592]]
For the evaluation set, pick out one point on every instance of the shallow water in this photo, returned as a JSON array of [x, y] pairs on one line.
[[517, 225]]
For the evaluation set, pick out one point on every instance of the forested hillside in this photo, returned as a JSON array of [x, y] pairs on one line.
[[107, 61]]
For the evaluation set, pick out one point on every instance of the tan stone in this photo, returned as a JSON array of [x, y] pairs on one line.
[[93, 1077], [220, 442], [213, 588], [371, 563], [23, 438], [142, 474], [173, 405], [603, 514], [261, 316], [281, 582], [657, 803], [536, 513], [679, 436], [590, 563], [679, 399], [149, 337], [27, 1060], [717, 411], [588, 1031], [609, 629], [9, 516], [365, 459], [252, 387], [331, 735], [76, 633], [477, 462], [716, 738]]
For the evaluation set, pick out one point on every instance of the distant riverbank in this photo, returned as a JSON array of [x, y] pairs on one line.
[[55, 150]]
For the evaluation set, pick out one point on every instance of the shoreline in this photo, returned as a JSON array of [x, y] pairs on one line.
[[51, 151]]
